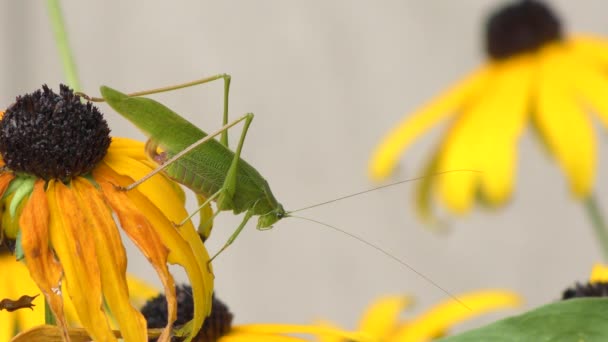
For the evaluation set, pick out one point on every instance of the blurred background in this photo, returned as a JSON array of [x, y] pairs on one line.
[[326, 80]]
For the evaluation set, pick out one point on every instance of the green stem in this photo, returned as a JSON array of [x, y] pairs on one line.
[[61, 39], [598, 223], [49, 317]]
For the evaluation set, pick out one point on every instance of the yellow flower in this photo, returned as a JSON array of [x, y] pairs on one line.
[[382, 321], [58, 188], [534, 74], [599, 274]]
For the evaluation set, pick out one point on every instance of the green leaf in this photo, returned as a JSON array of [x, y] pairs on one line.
[[573, 320]]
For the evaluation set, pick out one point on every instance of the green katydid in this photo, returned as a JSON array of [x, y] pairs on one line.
[[208, 167], [212, 169]]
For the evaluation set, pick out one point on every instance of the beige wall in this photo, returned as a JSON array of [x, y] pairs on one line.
[[326, 79]]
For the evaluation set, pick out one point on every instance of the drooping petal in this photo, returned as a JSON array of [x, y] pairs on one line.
[[74, 245], [507, 107], [186, 248], [41, 263], [148, 240], [599, 274], [563, 125], [387, 154], [112, 260], [483, 139], [436, 321], [381, 318]]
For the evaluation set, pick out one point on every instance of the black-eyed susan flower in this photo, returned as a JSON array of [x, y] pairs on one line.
[[61, 204], [218, 326], [536, 74], [383, 320]]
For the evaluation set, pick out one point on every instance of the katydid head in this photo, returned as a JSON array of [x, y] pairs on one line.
[[270, 218]]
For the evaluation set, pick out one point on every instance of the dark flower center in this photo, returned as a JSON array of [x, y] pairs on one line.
[[53, 136], [599, 289], [215, 326], [519, 27]]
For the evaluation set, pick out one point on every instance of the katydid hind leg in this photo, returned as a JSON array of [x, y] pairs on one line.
[[224, 136], [247, 118], [234, 235]]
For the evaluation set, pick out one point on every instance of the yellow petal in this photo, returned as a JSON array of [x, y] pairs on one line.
[[133, 149], [381, 318], [127, 147], [484, 137], [75, 247], [35, 235], [139, 229], [186, 248], [506, 107], [599, 274], [157, 189], [564, 126], [594, 49], [328, 338], [112, 261], [387, 153], [436, 321]]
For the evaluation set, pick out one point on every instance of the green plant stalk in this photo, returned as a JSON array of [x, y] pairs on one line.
[[71, 75], [49, 317], [61, 39], [598, 223]]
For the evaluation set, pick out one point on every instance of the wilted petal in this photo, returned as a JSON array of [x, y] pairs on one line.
[[44, 268], [74, 244], [139, 229], [112, 261]]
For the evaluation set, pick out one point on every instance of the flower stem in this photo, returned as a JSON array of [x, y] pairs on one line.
[[598, 223], [61, 39], [49, 317]]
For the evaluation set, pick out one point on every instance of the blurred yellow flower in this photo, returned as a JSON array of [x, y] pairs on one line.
[[382, 321], [535, 75], [599, 274], [58, 186]]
